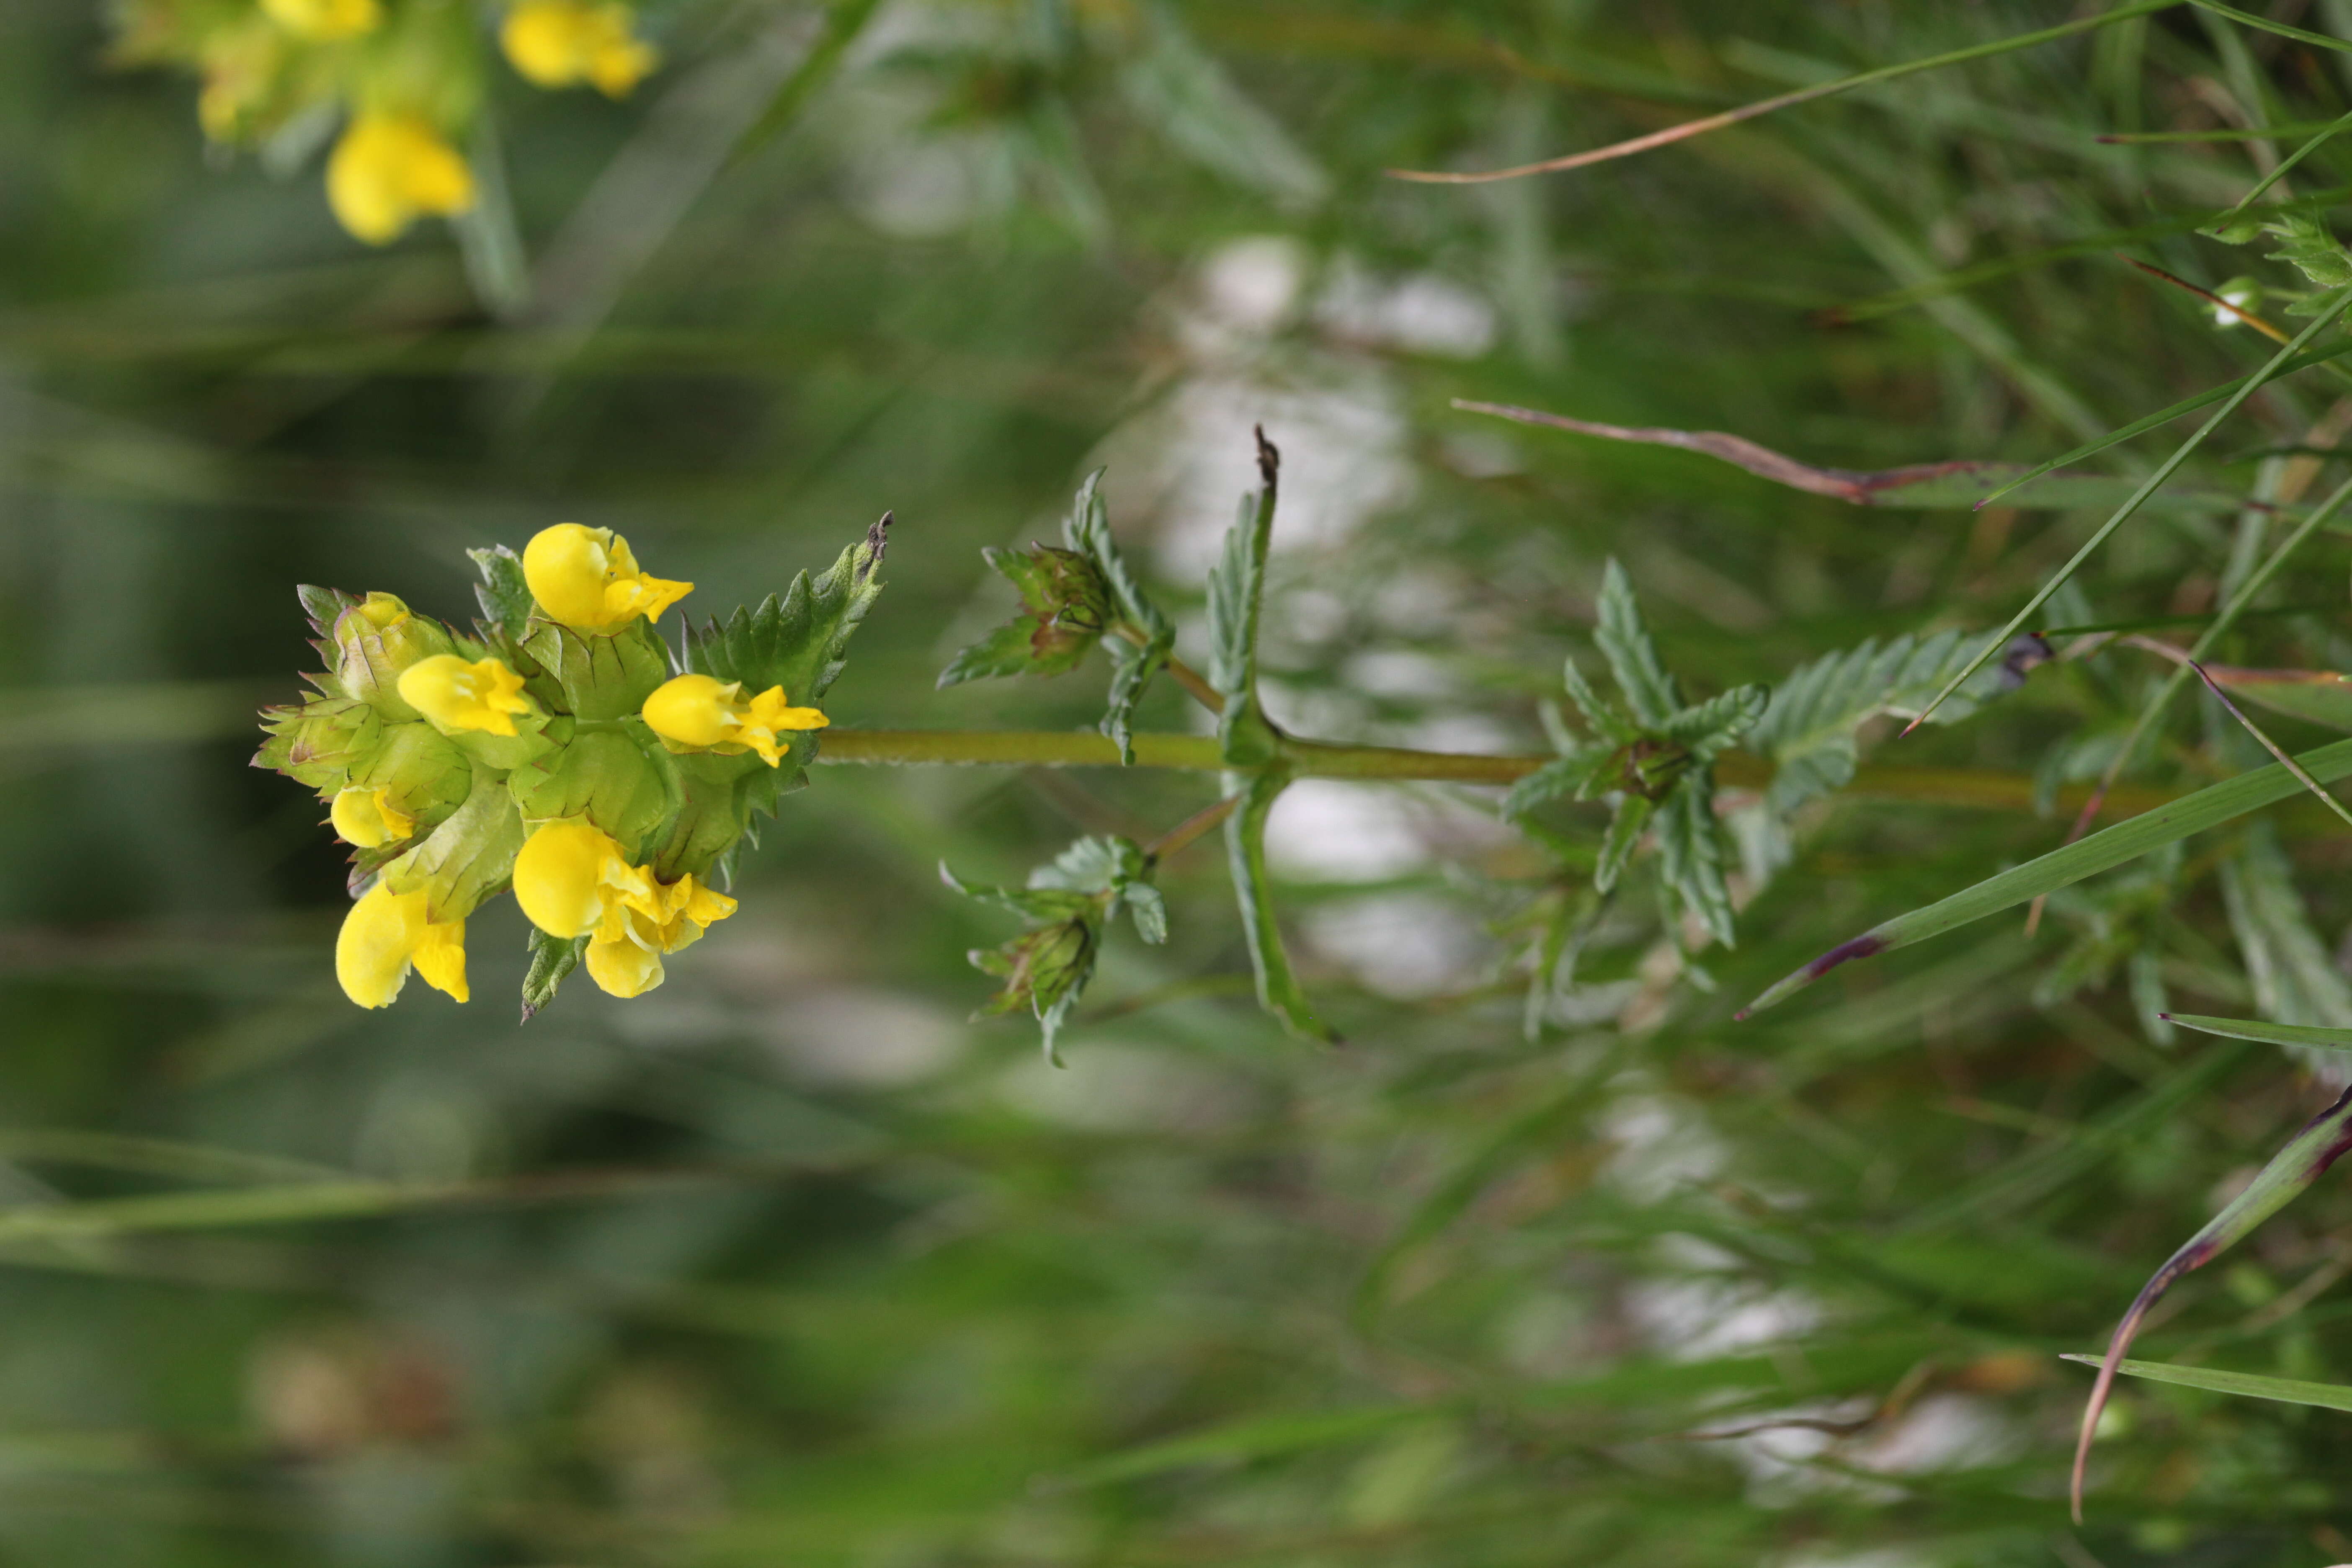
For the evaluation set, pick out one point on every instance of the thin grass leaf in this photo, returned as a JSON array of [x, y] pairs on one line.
[[1785, 100], [2250, 1385], [1263, 1437], [2264, 24], [2148, 487], [2269, 1034], [2102, 851], [2324, 1139], [2273, 747], [2286, 164]]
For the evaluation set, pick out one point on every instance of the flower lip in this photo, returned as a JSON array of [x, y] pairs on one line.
[[556, 43], [387, 933], [587, 579], [390, 169]]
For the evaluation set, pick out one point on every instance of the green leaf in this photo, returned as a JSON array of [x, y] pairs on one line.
[[1064, 607], [552, 958], [1575, 776], [1278, 990], [505, 597], [1624, 835], [800, 641], [1236, 603], [1690, 854], [1603, 719], [2309, 1035], [1649, 690], [1808, 728], [2102, 851], [2295, 978], [1086, 530], [2251, 1385], [1070, 900], [1257, 1438], [1708, 729], [2324, 1139]]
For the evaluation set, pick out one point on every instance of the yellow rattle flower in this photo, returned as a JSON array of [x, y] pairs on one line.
[[367, 818], [385, 935], [699, 711], [455, 695], [324, 21], [390, 170], [555, 43], [586, 579], [573, 881]]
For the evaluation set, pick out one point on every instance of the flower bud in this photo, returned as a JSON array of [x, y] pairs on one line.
[[320, 742], [455, 695], [369, 819], [387, 933], [376, 641], [555, 43], [586, 578], [391, 169], [1065, 604], [700, 712], [1039, 967]]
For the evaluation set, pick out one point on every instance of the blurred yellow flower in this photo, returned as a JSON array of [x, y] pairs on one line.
[[391, 169], [455, 695], [556, 43], [366, 817], [586, 579], [385, 935], [699, 710], [241, 67], [324, 21]]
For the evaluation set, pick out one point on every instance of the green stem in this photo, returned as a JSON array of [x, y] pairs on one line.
[[1974, 787]]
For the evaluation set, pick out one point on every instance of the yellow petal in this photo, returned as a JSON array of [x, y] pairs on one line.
[[368, 818], [374, 949], [622, 968], [324, 21], [390, 169], [693, 710], [456, 695], [586, 578], [571, 878], [556, 43], [441, 958]]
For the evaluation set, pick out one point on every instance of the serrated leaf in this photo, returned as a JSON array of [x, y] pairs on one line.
[[1007, 650], [1624, 835], [1148, 909], [1707, 729], [1690, 854], [1278, 990], [504, 597], [1088, 531], [799, 642], [1625, 641], [324, 606], [1572, 776], [1808, 727], [1603, 719], [552, 958], [1236, 601]]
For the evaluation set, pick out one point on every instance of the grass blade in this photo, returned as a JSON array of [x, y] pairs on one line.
[[2252, 1386], [1690, 128], [2273, 747], [2323, 1140], [2268, 1033], [2165, 470], [2264, 24], [2062, 867]]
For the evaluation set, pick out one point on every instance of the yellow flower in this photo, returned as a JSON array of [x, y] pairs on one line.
[[586, 578], [455, 695], [573, 881], [390, 170], [367, 818], [324, 21], [700, 711], [385, 935], [555, 43], [241, 67], [628, 963]]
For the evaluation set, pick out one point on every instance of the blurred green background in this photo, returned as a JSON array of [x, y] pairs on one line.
[[789, 1264]]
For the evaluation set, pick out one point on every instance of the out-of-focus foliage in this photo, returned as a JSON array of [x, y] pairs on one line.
[[787, 1262]]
